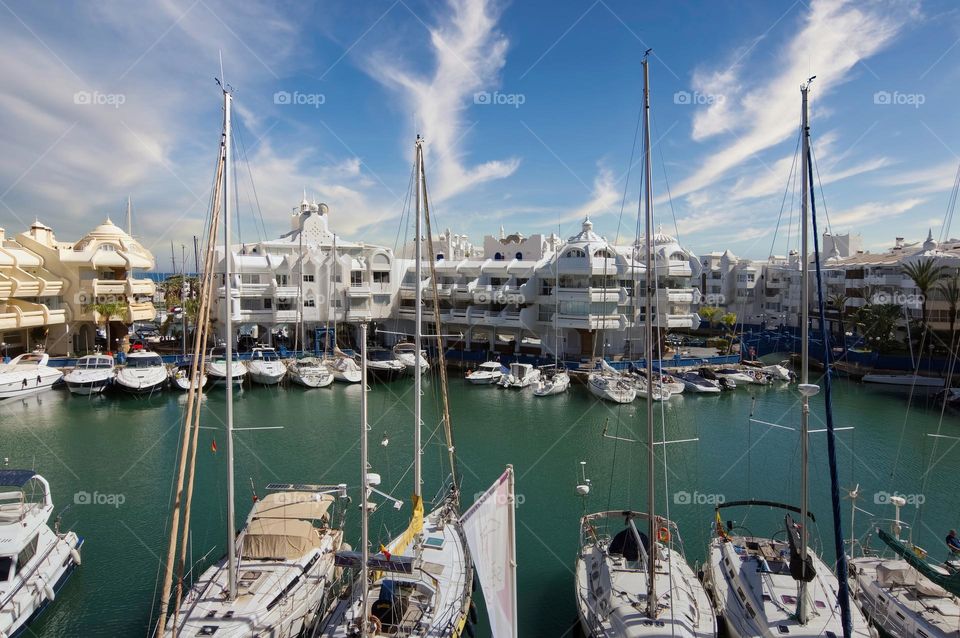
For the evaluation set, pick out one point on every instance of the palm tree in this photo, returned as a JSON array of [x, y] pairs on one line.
[[877, 324], [950, 289], [107, 311], [729, 320], [710, 313], [925, 274]]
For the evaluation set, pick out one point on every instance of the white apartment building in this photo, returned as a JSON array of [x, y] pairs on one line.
[[311, 275], [98, 268], [540, 295]]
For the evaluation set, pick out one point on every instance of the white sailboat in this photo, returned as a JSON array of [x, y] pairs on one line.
[[421, 584], [310, 372], [35, 561], [275, 576], [92, 374], [406, 353], [610, 385], [554, 379], [630, 583], [27, 373], [764, 586], [521, 375]]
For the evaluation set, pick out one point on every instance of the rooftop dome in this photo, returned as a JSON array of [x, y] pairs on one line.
[[931, 243], [107, 230], [586, 233]]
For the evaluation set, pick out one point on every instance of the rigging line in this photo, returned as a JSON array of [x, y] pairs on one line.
[[253, 185], [666, 180], [626, 183], [823, 198], [786, 191], [951, 207]]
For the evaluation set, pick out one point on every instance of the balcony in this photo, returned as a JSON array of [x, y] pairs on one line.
[[141, 287], [141, 312], [359, 290], [103, 287]]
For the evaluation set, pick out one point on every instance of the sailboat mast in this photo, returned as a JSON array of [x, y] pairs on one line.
[[129, 217], [418, 330], [648, 342], [365, 512], [228, 322], [802, 603]]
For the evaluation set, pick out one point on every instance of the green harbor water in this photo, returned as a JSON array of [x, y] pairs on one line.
[[121, 451]]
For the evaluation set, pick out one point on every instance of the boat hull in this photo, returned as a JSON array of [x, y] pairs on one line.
[[85, 388], [25, 387]]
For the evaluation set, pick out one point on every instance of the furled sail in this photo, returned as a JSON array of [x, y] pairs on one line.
[[490, 530]]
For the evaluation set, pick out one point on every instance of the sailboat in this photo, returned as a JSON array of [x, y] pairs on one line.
[[629, 582], [765, 586], [554, 380], [421, 583], [342, 367], [275, 576]]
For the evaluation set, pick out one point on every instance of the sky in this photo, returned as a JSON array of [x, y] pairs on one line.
[[529, 110]]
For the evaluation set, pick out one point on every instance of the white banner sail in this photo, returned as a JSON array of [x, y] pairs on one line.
[[491, 534]]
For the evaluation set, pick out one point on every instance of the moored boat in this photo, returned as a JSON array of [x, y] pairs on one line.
[[27, 373], [143, 373], [487, 373], [265, 366], [92, 374]]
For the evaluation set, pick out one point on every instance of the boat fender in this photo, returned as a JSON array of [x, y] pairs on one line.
[[75, 555], [473, 612], [48, 592]]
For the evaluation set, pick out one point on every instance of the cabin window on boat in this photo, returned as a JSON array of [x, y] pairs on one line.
[[6, 565], [144, 362], [27, 553]]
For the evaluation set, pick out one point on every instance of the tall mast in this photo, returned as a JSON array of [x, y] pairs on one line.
[[418, 329], [365, 512], [129, 217], [802, 603], [302, 331], [648, 341], [228, 322]]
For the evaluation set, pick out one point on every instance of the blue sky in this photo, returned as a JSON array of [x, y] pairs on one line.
[[102, 100]]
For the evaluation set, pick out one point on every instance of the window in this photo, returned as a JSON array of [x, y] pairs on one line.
[[27, 553], [284, 305], [382, 300], [268, 304], [249, 278], [439, 256], [519, 255], [6, 562], [498, 257], [249, 304], [281, 280], [381, 277], [110, 248], [308, 278], [356, 278], [603, 253], [575, 252], [309, 303], [678, 257]]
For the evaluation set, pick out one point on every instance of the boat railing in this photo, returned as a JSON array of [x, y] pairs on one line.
[[25, 579]]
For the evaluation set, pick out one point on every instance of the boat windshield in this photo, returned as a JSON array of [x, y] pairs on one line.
[[266, 355], [144, 362], [99, 363]]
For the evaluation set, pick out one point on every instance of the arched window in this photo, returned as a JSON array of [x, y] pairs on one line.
[[439, 256], [678, 256], [498, 257], [519, 255], [575, 252], [603, 253]]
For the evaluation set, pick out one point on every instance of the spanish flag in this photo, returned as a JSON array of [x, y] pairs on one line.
[[213, 446], [385, 551], [721, 530]]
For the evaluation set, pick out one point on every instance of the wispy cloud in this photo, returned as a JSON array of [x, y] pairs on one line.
[[755, 115], [864, 215], [468, 53]]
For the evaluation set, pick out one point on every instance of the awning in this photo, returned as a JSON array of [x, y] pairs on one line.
[[293, 505], [279, 539]]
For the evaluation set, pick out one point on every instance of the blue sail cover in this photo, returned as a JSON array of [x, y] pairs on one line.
[[16, 478]]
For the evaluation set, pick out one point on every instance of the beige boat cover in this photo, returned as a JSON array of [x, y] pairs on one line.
[[306, 506], [900, 574], [280, 526]]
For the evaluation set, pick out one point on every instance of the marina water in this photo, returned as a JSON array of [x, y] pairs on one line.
[[111, 459]]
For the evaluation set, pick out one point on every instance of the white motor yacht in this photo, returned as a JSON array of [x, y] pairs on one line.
[[488, 373], [265, 366], [406, 353], [521, 375], [35, 561], [92, 374], [27, 373], [143, 373], [216, 367]]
